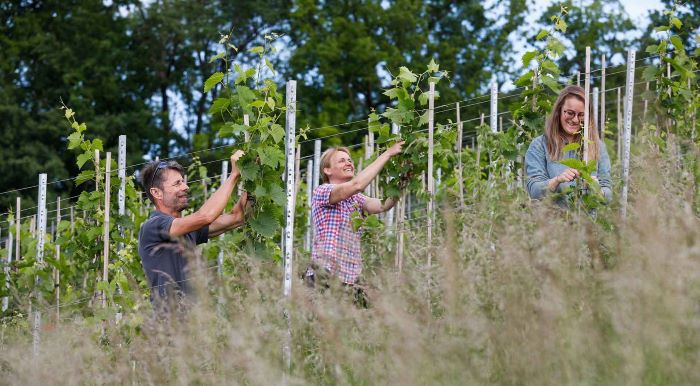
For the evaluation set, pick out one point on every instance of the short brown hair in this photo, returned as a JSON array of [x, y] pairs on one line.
[[326, 159], [150, 179]]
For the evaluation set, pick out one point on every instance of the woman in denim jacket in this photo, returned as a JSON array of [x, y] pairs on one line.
[[565, 125]]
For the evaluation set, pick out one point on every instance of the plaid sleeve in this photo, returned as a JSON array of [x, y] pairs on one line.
[[322, 195]]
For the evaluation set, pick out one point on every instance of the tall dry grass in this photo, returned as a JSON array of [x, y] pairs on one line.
[[519, 294]]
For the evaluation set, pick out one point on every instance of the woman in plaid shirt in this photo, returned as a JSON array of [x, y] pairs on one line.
[[336, 245]]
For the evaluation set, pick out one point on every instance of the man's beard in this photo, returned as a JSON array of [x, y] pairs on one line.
[[178, 205]]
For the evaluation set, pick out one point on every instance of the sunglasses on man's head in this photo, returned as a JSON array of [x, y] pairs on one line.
[[161, 165]]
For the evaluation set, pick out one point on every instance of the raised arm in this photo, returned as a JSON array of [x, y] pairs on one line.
[[231, 220], [375, 205], [212, 208], [342, 191]]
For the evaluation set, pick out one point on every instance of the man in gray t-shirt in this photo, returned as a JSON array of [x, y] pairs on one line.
[[167, 238]]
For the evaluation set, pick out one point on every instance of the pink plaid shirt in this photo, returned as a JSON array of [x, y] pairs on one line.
[[337, 245]]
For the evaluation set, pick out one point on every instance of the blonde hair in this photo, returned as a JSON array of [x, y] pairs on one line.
[[326, 159], [554, 133]]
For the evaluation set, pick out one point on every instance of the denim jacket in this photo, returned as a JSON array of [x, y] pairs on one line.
[[540, 169]]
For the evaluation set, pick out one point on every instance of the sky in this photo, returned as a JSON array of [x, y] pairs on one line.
[[637, 10]]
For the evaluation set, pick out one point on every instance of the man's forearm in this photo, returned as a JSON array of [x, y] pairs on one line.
[[217, 202]]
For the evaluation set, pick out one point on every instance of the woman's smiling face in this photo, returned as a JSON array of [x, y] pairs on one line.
[[571, 116]]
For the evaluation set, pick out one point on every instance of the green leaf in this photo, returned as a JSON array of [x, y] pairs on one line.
[[249, 170], [528, 56], [392, 93], [217, 57], [432, 66], [257, 49], [649, 73], [573, 163], [676, 23], [82, 158], [264, 224], [406, 75], [571, 146], [97, 144], [423, 98], [213, 80], [560, 25], [423, 119], [245, 96], [524, 79], [550, 67], [219, 105], [74, 140], [652, 49], [277, 132], [676, 41], [257, 103], [231, 129], [85, 175], [551, 83], [269, 65], [277, 194], [271, 156], [543, 33], [662, 28], [271, 103]]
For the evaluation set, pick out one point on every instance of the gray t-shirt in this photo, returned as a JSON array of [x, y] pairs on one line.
[[163, 257]]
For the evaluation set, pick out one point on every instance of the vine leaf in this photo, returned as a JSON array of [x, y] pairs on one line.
[[264, 224], [213, 80], [271, 156], [571, 146]]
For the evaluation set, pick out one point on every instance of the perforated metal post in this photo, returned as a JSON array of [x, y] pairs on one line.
[[460, 177], [57, 273], [594, 101], [587, 105], [601, 124], [290, 147], [8, 261], [41, 235], [17, 229], [121, 173], [288, 250], [317, 163], [105, 229], [620, 129], [431, 183], [494, 107], [220, 257], [390, 215], [309, 196], [628, 132]]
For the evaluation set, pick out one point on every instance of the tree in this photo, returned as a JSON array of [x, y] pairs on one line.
[[76, 51], [344, 52], [602, 25]]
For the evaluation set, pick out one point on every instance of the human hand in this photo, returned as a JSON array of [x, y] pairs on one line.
[[395, 148], [567, 175], [234, 159]]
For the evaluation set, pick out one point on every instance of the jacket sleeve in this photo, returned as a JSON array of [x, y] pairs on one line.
[[536, 168]]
